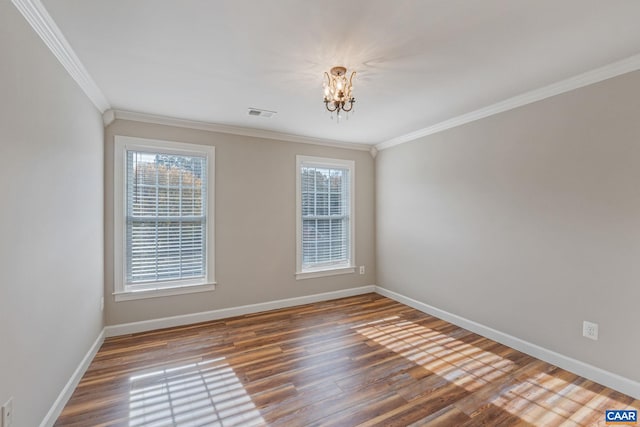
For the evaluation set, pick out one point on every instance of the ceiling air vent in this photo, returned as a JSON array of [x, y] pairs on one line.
[[261, 113]]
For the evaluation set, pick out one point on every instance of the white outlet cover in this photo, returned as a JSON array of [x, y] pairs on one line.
[[590, 330]]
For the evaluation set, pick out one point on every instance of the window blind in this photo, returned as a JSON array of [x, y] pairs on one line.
[[166, 218], [326, 213]]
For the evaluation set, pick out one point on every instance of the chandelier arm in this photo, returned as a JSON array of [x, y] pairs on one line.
[[335, 106], [351, 102]]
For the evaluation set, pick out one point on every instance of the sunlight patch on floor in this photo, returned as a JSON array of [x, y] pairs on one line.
[[461, 363], [539, 399], [195, 394], [545, 400]]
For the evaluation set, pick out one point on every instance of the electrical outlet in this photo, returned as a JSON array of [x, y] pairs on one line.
[[7, 413], [362, 269], [590, 330]]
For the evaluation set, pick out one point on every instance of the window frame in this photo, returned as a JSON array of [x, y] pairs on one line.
[[122, 292], [330, 270]]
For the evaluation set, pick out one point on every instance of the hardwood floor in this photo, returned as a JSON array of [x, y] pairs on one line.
[[365, 360]]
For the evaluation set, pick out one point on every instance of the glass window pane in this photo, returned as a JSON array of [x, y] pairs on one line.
[[308, 205], [166, 223], [322, 204], [336, 180], [335, 204], [308, 179], [325, 204], [322, 180]]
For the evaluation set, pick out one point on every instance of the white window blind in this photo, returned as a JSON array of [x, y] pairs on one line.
[[325, 205], [166, 220]]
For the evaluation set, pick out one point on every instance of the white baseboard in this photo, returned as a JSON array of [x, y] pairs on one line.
[[57, 407], [206, 316], [606, 378]]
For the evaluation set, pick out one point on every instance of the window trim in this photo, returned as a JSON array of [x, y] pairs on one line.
[[336, 269], [121, 145]]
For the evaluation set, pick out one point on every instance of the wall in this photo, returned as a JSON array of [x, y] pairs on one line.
[[527, 222], [255, 223], [51, 224]]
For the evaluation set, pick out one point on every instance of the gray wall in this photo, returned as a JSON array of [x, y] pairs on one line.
[[255, 223], [51, 224], [527, 222]]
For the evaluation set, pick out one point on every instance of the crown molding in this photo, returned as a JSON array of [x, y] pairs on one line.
[[590, 77], [37, 16], [110, 115]]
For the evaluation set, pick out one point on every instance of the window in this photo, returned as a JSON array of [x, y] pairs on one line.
[[163, 199], [325, 221]]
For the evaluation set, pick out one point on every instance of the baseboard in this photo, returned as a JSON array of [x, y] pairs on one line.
[[206, 316], [57, 407], [606, 378]]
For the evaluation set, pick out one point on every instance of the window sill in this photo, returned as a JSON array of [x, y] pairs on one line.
[[163, 292], [311, 274]]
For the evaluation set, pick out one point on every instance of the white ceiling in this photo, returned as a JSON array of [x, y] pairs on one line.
[[418, 62]]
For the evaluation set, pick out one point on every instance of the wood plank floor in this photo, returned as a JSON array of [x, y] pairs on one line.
[[365, 360]]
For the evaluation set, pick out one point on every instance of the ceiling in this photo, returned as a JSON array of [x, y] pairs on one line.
[[418, 62]]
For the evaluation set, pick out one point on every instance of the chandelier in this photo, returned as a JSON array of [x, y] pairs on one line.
[[338, 91]]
